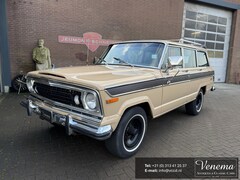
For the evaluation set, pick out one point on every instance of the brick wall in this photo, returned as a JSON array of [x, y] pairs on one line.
[[233, 72], [113, 19]]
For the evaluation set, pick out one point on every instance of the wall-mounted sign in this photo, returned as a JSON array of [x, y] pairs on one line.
[[91, 39]]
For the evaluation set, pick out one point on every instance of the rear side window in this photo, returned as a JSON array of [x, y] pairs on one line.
[[172, 51], [202, 59], [189, 58]]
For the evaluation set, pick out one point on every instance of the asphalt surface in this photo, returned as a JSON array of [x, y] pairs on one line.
[[33, 149]]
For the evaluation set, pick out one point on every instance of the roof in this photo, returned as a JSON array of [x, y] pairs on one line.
[[177, 42]]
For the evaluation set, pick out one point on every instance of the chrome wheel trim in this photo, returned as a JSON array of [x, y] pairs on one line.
[[199, 102], [142, 135]]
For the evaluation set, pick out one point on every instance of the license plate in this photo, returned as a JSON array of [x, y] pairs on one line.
[[46, 115]]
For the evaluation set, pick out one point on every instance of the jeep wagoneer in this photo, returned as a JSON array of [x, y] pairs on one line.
[[131, 83]]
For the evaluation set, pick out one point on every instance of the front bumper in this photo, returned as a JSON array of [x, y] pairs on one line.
[[73, 122]]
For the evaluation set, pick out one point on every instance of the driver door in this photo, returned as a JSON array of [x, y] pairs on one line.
[[174, 91]]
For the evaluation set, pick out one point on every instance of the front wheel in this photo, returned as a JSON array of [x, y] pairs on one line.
[[194, 107], [129, 134], [19, 83]]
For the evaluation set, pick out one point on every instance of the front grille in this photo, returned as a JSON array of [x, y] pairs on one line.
[[65, 96]]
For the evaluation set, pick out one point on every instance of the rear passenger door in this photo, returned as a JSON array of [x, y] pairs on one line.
[[195, 63], [190, 67]]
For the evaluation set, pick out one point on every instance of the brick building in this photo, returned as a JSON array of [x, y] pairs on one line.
[[213, 23]]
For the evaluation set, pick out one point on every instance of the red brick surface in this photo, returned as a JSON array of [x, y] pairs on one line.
[[233, 73], [233, 69], [113, 19]]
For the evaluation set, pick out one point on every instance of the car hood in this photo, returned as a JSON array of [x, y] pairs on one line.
[[98, 76]]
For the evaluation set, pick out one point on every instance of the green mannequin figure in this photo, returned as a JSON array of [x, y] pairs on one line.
[[41, 56]]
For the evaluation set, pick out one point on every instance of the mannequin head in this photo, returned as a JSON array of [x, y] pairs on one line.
[[40, 42]]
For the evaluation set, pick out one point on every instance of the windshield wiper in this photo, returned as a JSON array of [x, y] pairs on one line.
[[100, 60], [122, 61]]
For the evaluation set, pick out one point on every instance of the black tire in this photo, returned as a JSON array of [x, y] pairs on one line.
[[127, 138], [195, 107], [19, 82]]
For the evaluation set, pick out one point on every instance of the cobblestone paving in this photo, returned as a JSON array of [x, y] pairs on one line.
[[34, 149]]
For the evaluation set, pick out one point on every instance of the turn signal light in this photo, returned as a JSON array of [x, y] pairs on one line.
[[113, 100]]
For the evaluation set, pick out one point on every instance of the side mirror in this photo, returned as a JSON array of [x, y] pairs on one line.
[[175, 61]]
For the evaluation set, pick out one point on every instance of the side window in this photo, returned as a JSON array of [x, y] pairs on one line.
[[172, 51], [202, 59], [189, 58]]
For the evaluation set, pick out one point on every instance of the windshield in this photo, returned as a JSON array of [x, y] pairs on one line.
[[134, 54]]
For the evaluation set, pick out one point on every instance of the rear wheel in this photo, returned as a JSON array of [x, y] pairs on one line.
[[129, 134], [194, 107]]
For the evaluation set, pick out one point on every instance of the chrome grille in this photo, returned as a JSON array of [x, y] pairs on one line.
[[65, 96]]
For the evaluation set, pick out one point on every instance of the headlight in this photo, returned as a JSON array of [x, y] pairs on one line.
[[91, 101], [30, 83]]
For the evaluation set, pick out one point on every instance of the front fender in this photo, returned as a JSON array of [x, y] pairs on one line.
[[134, 102]]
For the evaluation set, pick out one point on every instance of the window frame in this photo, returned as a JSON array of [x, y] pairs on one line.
[[195, 53], [206, 55]]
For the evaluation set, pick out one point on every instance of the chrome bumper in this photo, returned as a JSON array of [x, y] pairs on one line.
[[213, 88], [71, 121]]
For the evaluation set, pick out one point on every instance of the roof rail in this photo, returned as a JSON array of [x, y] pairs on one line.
[[187, 42]]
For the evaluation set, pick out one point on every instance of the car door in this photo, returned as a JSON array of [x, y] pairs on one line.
[[175, 91], [204, 69], [190, 67]]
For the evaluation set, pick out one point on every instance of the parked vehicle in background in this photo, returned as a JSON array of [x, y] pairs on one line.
[[131, 83]]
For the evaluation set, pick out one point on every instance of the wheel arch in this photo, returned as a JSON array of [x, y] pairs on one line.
[[204, 89], [144, 103], [146, 107]]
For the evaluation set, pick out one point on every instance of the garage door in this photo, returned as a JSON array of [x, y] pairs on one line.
[[211, 27], [1, 90]]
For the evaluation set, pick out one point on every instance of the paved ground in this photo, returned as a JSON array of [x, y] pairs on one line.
[[33, 149]]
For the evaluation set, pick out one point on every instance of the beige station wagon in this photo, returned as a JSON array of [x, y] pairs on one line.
[[131, 83]]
